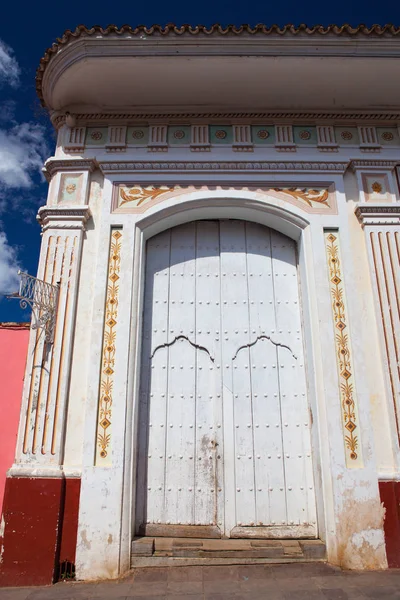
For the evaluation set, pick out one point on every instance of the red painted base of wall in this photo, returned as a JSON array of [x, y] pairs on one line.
[[40, 522], [390, 497]]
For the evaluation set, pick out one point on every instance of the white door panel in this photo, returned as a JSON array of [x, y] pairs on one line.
[[224, 425]]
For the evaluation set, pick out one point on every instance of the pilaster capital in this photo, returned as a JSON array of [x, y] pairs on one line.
[[73, 217], [373, 165], [378, 214], [72, 165]]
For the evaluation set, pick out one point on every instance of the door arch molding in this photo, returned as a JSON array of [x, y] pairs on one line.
[[288, 220]]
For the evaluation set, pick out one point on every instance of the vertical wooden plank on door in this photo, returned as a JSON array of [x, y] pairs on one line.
[[236, 365], [208, 424], [154, 380], [293, 393], [181, 403], [269, 469]]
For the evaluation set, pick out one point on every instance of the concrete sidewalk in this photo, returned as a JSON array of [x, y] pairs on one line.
[[255, 582]]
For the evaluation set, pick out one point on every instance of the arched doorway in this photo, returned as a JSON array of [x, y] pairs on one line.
[[224, 440]]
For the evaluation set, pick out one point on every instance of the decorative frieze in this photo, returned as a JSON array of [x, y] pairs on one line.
[[347, 389], [96, 136], [200, 139], [116, 139], [284, 138], [368, 139], [75, 139], [105, 402], [158, 138], [326, 138], [242, 138]]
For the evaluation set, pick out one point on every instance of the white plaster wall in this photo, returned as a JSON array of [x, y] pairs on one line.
[[349, 495], [82, 334], [384, 428], [349, 511]]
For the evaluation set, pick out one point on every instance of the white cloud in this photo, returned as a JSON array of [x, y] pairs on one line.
[[9, 266], [23, 149], [9, 68]]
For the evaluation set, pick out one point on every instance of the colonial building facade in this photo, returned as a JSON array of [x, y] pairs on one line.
[[223, 228]]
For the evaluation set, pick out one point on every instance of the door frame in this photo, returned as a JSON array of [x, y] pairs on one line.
[[290, 221]]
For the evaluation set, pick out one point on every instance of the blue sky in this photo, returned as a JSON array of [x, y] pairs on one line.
[[26, 137]]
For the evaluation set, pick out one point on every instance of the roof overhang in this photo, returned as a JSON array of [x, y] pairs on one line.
[[142, 71]]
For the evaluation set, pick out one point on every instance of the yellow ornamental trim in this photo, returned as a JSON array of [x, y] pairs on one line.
[[138, 194], [349, 410], [108, 353], [307, 195]]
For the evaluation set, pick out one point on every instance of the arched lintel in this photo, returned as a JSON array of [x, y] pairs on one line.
[[286, 220]]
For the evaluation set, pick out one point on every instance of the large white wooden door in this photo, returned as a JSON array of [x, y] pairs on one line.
[[224, 441]]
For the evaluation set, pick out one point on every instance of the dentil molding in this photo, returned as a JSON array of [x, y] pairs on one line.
[[63, 218], [361, 164], [242, 166], [97, 118], [378, 214], [53, 165]]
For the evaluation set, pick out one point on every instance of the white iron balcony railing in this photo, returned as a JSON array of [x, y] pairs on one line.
[[42, 297]]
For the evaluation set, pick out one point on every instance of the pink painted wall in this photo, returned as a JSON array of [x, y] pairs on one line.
[[13, 349]]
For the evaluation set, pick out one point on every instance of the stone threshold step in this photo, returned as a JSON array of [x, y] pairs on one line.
[[229, 549], [173, 561]]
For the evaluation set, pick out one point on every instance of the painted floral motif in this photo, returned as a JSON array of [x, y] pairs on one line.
[[220, 134], [376, 187], [138, 134], [347, 392], [109, 336], [305, 135], [71, 187], [388, 136], [307, 195], [263, 134], [139, 195], [347, 135], [179, 134], [96, 135]]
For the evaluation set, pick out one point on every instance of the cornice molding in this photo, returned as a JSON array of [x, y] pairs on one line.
[[224, 166], [332, 40], [72, 217], [368, 164], [136, 118], [378, 214], [53, 165]]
